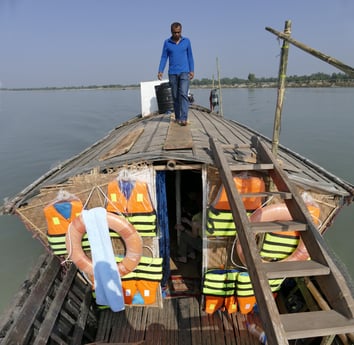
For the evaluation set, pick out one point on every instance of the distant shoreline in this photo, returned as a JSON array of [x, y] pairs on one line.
[[249, 85]]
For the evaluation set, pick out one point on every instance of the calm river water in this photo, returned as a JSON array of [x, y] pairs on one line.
[[39, 129]]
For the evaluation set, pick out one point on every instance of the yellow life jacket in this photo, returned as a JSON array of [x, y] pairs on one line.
[[245, 294], [57, 224], [277, 246], [280, 245], [220, 221], [137, 209], [219, 288]]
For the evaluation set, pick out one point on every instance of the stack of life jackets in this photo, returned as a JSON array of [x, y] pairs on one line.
[[219, 289], [231, 290], [58, 216], [140, 286], [132, 199], [220, 221]]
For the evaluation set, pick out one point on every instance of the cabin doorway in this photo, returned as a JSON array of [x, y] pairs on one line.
[[184, 194]]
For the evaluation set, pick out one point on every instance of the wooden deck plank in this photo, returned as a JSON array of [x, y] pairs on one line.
[[123, 332], [154, 331], [124, 144], [229, 329], [208, 330], [184, 322], [166, 315], [173, 322], [218, 327], [103, 325], [163, 322], [236, 321], [178, 137], [195, 322], [143, 323], [136, 323]]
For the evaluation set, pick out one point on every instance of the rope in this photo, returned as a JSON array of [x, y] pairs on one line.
[[232, 255]]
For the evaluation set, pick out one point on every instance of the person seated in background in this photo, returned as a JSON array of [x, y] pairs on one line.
[[190, 237]]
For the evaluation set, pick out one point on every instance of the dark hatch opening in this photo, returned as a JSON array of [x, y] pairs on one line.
[[191, 200]]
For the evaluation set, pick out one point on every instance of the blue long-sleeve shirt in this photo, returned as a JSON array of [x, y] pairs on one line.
[[180, 56]]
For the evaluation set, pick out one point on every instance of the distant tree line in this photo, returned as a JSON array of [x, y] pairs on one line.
[[49, 88], [315, 79], [334, 78]]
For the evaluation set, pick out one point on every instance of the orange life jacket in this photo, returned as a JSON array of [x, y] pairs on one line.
[[137, 208], [57, 224], [220, 221], [244, 183]]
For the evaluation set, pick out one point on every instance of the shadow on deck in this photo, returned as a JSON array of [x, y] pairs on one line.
[[181, 321]]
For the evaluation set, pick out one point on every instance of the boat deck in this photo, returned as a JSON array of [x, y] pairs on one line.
[[57, 310], [157, 138], [181, 321]]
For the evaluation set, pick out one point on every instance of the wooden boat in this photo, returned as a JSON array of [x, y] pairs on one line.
[[210, 162], [188, 160]]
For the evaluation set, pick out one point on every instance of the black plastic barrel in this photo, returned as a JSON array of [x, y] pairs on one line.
[[164, 98]]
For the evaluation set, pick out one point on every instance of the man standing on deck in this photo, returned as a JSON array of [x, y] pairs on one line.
[[178, 51]]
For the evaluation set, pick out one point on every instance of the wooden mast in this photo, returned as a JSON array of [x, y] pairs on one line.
[[281, 89], [220, 97], [332, 61]]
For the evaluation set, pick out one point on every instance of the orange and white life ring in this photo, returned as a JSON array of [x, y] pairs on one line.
[[280, 212], [121, 226]]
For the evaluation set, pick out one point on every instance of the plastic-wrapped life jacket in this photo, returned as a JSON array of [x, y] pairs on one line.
[[136, 207], [58, 216]]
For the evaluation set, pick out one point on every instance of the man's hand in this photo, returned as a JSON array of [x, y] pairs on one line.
[[159, 75]]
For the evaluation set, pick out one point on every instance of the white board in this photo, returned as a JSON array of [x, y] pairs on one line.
[[148, 96]]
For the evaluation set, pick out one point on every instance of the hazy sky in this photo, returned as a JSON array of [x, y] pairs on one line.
[[95, 42]]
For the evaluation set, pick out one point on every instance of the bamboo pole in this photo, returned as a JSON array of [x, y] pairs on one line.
[[330, 60], [281, 89], [220, 97]]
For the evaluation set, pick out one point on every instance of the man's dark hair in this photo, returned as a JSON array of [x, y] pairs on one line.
[[175, 25]]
